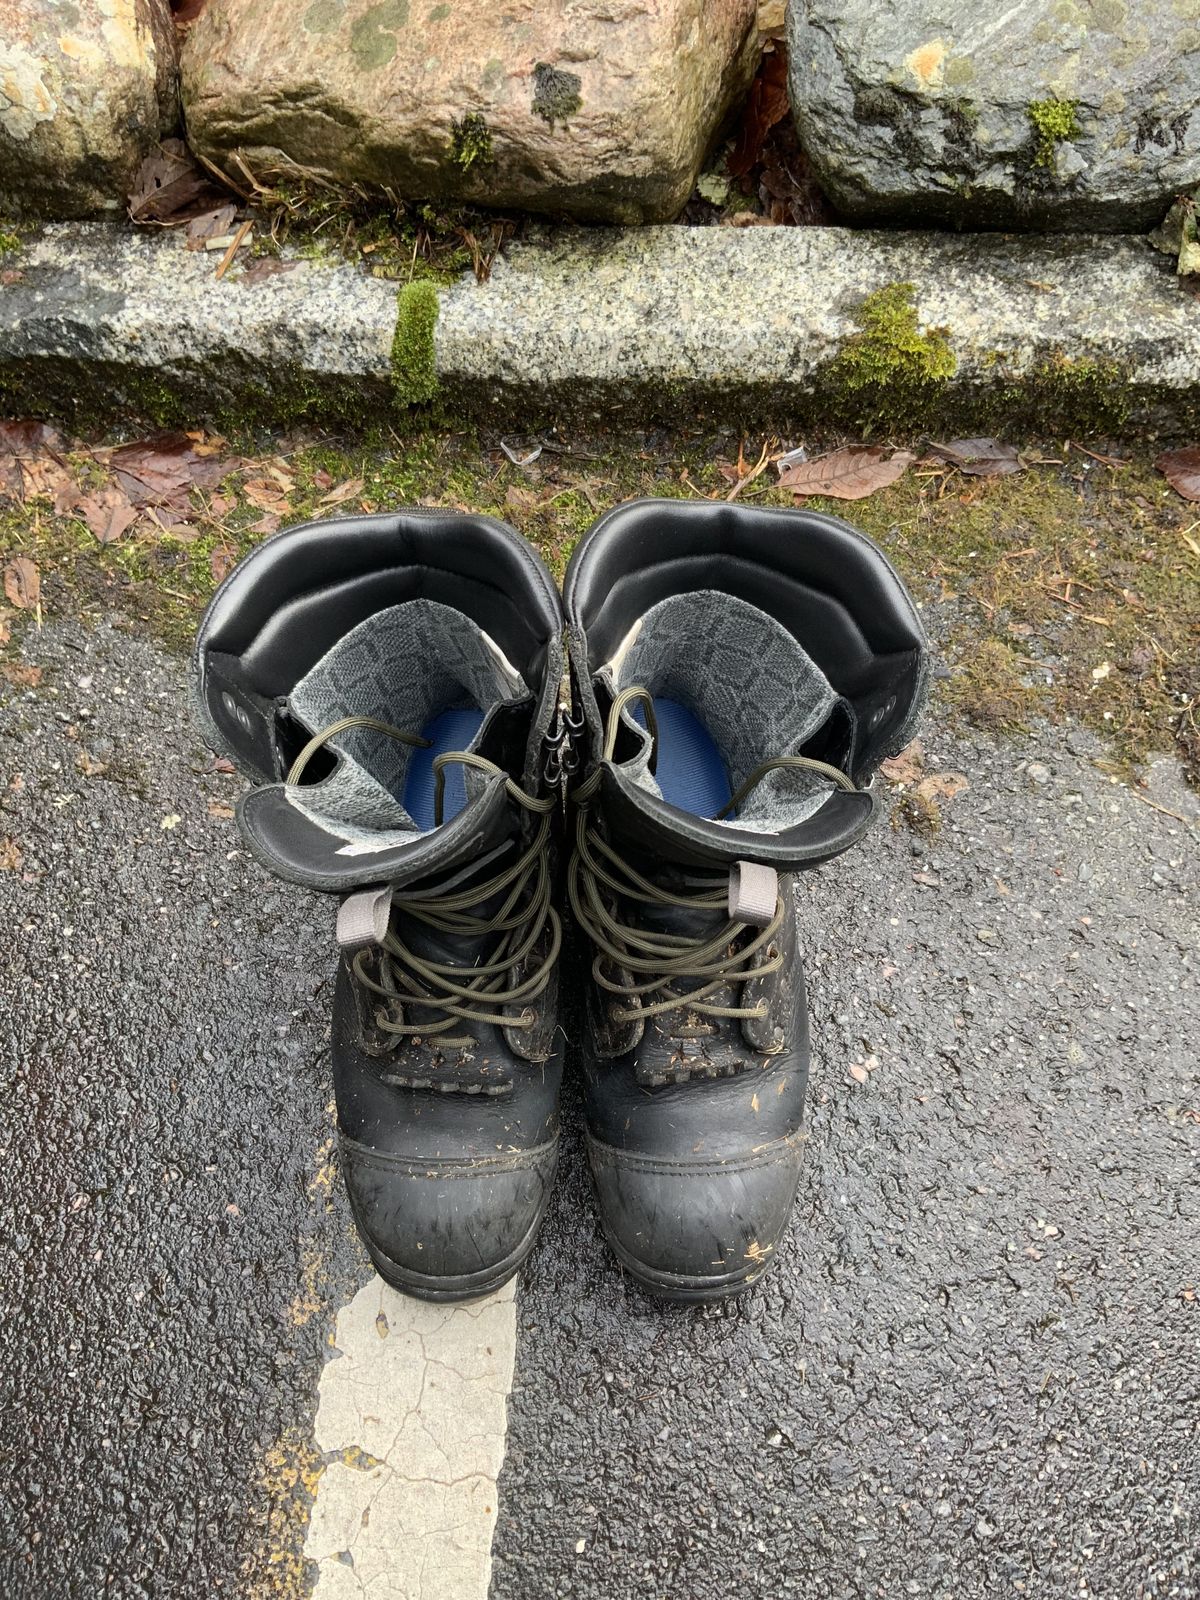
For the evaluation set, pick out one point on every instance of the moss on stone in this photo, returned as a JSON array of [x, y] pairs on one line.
[[891, 374], [414, 367], [1053, 121], [10, 243], [471, 142], [1081, 395], [556, 94]]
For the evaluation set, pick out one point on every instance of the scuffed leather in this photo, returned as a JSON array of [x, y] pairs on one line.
[[455, 1222]]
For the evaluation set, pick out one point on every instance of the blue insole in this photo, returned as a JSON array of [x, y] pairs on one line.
[[449, 730], [690, 771]]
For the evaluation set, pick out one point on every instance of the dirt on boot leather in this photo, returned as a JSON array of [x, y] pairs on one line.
[[741, 673], [389, 683]]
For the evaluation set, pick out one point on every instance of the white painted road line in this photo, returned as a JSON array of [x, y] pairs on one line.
[[411, 1417]]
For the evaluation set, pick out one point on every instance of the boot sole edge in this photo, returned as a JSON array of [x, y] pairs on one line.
[[463, 1286], [683, 1288]]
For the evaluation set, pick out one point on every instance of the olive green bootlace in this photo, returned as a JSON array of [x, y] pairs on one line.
[[479, 992], [657, 961]]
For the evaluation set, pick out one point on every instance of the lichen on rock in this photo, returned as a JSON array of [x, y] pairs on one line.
[[1085, 114], [556, 94], [86, 90], [600, 113]]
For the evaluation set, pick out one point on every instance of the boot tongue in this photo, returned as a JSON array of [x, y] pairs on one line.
[[297, 844]]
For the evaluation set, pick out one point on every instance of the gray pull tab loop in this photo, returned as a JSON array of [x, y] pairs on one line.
[[753, 893], [363, 918]]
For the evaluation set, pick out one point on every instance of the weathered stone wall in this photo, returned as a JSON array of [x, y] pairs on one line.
[[583, 108], [1063, 114], [86, 88]]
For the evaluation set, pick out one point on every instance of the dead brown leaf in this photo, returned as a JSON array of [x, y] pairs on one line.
[[107, 512], [522, 501], [221, 561], [787, 185], [1181, 469], [265, 494], [343, 491], [212, 224], [218, 808], [22, 676], [5, 627], [89, 765], [266, 267], [171, 187], [980, 458], [22, 583], [30, 460], [848, 474], [906, 767], [11, 859], [268, 523], [766, 104], [942, 786], [163, 470], [26, 437]]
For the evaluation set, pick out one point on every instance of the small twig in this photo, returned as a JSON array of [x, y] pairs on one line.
[[764, 462], [1105, 461], [1188, 822], [238, 237], [1061, 598]]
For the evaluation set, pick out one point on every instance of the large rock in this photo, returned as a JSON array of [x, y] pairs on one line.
[[86, 89], [1049, 114], [597, 109]]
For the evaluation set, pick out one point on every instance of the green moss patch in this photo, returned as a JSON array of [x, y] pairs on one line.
[[471, 142], [892, 373], [414, 366], [1052, 121]]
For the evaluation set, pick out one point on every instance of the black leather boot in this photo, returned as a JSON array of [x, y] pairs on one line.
[[390, 682], [741, 674]]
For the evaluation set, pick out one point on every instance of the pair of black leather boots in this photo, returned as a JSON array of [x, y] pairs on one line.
[[462, 756]]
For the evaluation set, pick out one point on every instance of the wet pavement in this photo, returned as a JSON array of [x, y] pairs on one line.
[[168, 1254], [973, 1372]]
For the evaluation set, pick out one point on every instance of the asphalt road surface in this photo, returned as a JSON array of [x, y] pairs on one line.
[[975, 1370]]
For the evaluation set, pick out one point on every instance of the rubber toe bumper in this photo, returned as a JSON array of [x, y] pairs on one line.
[[697, 1229], [448, 1229]]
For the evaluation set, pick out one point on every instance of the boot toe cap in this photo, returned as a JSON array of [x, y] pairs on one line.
[[448, 1229], [696, 1229]]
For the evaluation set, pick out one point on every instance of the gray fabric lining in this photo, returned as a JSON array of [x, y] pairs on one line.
[[403, 666], [750, 683]]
